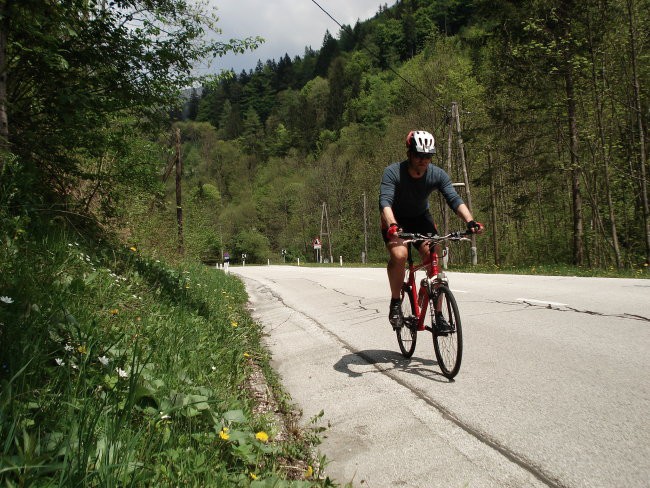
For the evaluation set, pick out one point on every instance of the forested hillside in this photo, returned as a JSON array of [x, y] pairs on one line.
[[552, 101]]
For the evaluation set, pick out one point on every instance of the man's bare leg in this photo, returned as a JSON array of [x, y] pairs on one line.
[[396, 267]]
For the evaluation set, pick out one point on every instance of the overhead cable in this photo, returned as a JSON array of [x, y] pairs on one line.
[[376, 56]]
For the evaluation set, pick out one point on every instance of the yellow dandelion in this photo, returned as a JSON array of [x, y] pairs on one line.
[[224, 434], [114, 311], [234, 324], [246, 355], [262, 436], [253, 476], [82, 349], [309, 472], [133, 248]]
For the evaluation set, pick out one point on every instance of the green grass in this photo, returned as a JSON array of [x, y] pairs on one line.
[[118, 370]]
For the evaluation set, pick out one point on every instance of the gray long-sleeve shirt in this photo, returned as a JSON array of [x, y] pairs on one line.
[[408, 196]]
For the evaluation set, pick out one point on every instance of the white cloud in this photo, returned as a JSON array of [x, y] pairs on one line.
[[288, 26]]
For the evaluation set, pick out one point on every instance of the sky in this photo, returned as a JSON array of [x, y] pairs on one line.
[[287, 26]]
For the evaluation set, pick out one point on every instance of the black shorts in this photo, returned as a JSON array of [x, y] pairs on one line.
[[419, 225]]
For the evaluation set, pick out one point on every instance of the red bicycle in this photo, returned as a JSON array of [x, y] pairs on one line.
[[434, 294]]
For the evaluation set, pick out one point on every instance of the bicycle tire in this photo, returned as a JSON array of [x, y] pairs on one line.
[[448, 347], [407, 334]]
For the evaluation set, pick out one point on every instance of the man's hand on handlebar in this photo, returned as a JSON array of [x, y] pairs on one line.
[[474, 227], [393, 230]]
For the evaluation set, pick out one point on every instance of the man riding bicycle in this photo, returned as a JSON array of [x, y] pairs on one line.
[[404, 205]]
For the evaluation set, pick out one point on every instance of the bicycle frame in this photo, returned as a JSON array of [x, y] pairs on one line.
[[422, 295]]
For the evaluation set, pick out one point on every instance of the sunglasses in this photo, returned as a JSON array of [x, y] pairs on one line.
[[423, 155]]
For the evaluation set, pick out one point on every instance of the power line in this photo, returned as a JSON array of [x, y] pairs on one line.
[[390, 68]]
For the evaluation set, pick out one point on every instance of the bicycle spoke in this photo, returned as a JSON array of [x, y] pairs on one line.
[[407, 334], [448, 345]]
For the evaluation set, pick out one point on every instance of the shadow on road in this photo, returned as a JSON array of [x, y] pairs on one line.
[[387, 361]]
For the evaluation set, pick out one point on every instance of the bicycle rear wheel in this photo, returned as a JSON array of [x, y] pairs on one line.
[[407, 334], [448, 346]]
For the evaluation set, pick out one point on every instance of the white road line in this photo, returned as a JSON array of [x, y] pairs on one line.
[[532, 301]]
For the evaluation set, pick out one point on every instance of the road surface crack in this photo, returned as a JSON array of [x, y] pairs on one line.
[[566, 308]]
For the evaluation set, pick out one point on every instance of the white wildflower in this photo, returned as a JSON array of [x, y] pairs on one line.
[[6, 299], [165, 416], [121, 373], [104, 360], [60, 361], [68, 348]]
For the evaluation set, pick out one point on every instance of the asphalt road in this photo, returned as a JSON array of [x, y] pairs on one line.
[[554, 388]]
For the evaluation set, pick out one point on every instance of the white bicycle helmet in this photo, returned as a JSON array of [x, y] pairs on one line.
[[421, 141]]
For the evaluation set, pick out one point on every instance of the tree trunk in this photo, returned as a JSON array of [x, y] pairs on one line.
[[4, 120], [639, 116], [179, 205], [602, 148], [578, 232], [493, 199], [606, 176]]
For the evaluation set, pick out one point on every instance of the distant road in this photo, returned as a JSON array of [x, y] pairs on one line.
[[554, 389]]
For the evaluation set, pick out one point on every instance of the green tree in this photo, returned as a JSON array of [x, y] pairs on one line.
[[72, 66], [252, 243], [328, 52]]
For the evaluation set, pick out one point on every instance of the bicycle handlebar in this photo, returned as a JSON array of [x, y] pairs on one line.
[[453, 236]]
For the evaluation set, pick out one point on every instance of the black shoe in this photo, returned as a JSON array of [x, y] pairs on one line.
[[442, 326], [395, 316]]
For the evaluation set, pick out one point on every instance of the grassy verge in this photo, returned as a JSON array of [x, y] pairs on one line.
[[539, 269], [117, 370]]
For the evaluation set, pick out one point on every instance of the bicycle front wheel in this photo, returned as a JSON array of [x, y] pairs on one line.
[[407, 334], [448, 345]]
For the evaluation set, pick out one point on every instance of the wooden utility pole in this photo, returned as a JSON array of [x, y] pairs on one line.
[[461, 150], [325, 219], [179, 206], [445, 208]]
